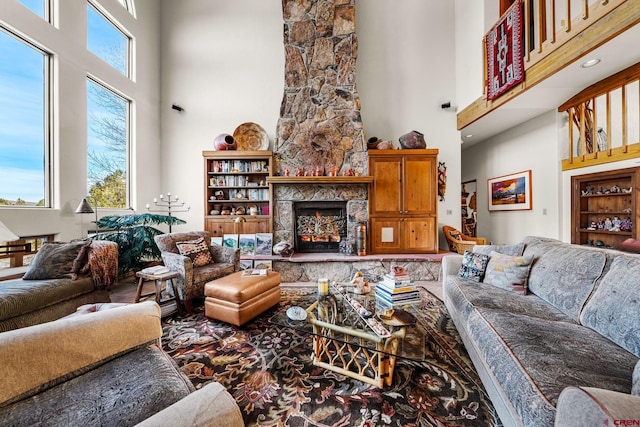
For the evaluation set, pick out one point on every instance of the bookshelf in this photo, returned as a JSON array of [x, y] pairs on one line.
[[236, 185]]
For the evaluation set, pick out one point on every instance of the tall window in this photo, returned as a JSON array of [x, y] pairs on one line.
[[107, 139], [106, 41], [24, 131]]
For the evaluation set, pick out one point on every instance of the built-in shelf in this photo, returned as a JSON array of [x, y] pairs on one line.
[[311, 180]]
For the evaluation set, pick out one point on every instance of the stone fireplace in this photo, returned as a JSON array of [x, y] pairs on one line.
[[320, 128]]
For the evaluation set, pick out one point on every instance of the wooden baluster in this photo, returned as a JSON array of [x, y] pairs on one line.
[[553, 21], [568, 7], [609, 151], [625, 136], [585, 9]]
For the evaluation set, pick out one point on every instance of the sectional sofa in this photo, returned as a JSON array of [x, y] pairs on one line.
[[567, 351], [103, 367], [60, 278]]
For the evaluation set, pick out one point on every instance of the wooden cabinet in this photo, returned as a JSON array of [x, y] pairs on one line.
[[236, 185], [403, 207], [604, 207]]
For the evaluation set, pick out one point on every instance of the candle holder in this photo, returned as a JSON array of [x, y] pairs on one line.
[[168, 206]]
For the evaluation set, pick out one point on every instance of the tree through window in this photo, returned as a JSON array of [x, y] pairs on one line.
[[107, 146]]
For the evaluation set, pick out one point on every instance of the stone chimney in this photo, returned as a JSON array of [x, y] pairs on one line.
[[320, 123]]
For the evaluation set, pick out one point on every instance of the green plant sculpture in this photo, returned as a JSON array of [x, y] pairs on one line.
[[134, 235]]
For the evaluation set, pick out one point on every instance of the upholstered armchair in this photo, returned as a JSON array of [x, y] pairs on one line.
[[190, 283], [458, 242]]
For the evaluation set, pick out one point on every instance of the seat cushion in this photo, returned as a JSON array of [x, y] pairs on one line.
[[121, 392], [533, 369], [237, 288], [19, 296]]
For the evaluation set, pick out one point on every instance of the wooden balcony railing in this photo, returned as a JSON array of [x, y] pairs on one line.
[[604, 121], [556, 33]]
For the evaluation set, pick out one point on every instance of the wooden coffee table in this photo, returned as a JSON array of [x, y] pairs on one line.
[[346, 343]]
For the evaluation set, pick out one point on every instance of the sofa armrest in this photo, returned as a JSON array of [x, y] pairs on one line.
[[451, 265], [67, 346], [210, 406], [587, 406]]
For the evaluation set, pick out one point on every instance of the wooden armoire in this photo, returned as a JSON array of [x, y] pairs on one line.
[[403, 204]]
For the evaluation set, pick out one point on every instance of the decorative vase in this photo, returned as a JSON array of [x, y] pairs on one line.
[[413, 139], [224, 141]]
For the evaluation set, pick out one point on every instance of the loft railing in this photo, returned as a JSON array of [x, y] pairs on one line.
[[548, 24], [604, 121], [556, 33]]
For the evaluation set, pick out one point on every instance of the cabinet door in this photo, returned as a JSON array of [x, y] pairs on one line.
[[386, 235], [386, 194], [420, 185], [420, 235], [254, 225]]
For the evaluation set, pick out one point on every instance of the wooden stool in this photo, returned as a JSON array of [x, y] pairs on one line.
[[238, 298], [160, 280]]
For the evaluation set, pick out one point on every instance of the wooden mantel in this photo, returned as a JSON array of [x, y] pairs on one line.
[[317, 180]]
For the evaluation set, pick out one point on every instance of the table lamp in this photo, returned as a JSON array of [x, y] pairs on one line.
[[7, 235], [84, 208]]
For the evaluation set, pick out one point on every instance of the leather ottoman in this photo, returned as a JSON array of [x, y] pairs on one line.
[[237, 298]]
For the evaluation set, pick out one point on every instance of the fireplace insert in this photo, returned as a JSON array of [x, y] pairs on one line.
[[320, 226]]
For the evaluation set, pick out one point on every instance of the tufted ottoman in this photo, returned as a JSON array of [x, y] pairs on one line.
[[237, 298]]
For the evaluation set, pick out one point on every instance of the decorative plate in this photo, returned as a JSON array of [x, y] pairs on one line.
[[296, 313], [251, 136]]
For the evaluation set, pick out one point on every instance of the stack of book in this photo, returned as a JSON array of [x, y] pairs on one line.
[[395, 291]]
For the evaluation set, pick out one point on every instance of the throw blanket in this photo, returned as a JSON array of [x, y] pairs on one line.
[[103, 263]]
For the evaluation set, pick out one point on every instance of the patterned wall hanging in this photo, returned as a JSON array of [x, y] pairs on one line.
[[505, 64]]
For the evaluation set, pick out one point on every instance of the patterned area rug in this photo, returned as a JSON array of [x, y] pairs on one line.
[[269, 371]]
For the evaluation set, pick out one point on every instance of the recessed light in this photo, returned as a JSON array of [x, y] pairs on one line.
[[468, 136], [590, 63]]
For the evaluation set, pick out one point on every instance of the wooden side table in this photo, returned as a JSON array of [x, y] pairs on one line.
[[161, 280]]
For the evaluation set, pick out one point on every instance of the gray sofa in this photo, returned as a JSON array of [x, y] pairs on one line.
[[62, 282], [566, 351], [103, 368]]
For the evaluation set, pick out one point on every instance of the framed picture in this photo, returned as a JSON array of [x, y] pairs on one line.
[[247, 244], [510, 192], [264, 243], [263, 264]]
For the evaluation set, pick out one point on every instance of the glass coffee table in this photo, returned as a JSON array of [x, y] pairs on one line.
[[354, 337]]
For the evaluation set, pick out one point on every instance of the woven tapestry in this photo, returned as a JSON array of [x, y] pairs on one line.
[[505, 65]]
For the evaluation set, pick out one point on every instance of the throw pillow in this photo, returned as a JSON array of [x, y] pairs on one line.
[[514, 250], [508, 272], [197, 250], [56, 260], [473, 266], [630, 245]]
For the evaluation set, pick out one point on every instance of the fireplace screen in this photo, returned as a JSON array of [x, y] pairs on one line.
[[320, 227]]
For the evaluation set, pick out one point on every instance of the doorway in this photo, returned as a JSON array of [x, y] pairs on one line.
[[468, 208]]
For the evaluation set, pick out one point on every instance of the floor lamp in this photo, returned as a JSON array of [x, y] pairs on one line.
[[83, 208]]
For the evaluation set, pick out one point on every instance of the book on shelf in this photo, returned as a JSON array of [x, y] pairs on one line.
[[156, 269]]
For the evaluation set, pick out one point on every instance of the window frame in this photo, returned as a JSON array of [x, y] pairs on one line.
[[128, 68], [48, 93], [129, 140]]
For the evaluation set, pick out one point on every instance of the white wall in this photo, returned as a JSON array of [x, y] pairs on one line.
[[72, 63], [224, 63], [530, 146]]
